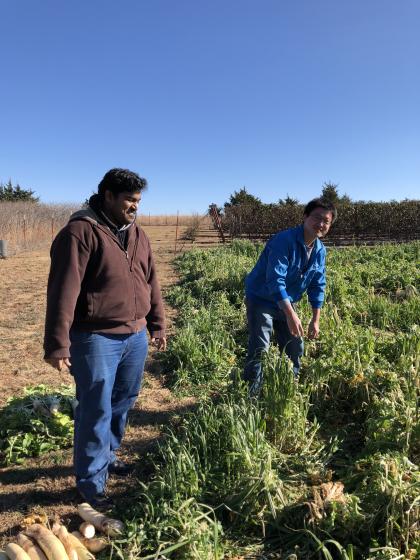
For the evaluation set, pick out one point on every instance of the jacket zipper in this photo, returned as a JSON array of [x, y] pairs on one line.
[[130, 270]]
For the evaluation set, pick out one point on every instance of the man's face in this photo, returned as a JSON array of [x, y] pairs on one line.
[[318, 222], [122, 208]]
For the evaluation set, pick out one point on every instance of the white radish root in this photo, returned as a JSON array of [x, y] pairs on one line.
[[87, 529], [16, 552], [63, 535], [55, 527], [94, 545], [31, 549], [51, 545], [109, 526], [82, 552]]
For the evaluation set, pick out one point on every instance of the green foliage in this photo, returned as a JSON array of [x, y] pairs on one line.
[[242, 197], [288, 201], [388, 485], [11, 193], [330, 192], [36, 423], [219, 457], [357, 221], [323, 468]]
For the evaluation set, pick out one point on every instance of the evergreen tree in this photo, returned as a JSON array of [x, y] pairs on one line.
[[330, 192], [242, 197], [11, 193], [288, 201]]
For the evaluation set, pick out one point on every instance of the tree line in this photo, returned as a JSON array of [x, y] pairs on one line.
[[15, 193], [245, 215]]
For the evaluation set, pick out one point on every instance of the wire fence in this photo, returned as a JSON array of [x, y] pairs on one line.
[[29, 226]]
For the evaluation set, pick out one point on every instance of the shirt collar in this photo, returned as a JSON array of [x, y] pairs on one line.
[[300, 237]]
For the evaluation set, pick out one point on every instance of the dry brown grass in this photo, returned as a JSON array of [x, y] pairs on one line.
[[29, 226], [187, 220], [46, 483]]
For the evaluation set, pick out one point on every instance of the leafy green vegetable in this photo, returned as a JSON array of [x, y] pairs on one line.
[[38, 422]]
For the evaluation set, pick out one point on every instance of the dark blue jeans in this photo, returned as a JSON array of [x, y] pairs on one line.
[[108, 370], [262, 321]]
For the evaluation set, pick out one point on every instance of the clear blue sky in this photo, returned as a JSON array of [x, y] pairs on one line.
[[202, 97]]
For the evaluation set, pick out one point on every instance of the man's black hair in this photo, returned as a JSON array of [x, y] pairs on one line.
[[323, 203], [119, 180]]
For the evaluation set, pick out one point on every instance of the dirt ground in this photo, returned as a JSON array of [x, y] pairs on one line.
[[46, 483]]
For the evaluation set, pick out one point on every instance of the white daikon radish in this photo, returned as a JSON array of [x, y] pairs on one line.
[[51, 545], [63, 535], [32, 549], [87, 529], [109, 526], [96, 544], [16, 552], [82, 552]]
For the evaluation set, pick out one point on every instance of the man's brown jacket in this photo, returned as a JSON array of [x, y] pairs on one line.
[[96, 285]]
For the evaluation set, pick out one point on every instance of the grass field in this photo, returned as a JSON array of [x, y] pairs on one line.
[[327, 468]]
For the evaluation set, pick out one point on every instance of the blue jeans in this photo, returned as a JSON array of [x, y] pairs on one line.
[[108, 370], [262, 320]]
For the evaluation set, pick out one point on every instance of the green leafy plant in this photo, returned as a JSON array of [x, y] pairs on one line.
[[38, 422], [322, 468]]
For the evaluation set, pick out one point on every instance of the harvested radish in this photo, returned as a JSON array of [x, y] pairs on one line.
[[50, 544], [109, 526], [96, 544], [16, 552], [87, 530], [32, 549], [82, 552], [63, 535]]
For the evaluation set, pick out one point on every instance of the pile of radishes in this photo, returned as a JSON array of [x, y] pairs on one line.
[[38, 542]]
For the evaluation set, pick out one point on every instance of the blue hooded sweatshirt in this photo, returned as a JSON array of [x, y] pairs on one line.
[[283, 271]]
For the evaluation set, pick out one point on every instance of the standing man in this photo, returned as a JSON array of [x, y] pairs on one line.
[[103, 295], [292, 262]]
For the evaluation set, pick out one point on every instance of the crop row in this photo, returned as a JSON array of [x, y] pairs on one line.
[[325, 468]]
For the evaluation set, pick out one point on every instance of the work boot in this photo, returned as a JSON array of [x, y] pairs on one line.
[[119, 468], [99, 501]]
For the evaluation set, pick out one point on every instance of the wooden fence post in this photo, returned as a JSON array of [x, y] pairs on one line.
[[3, 248], [24, 230], [217, 224], [176, 229]]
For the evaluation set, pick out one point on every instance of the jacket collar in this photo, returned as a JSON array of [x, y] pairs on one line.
[[301, 239], [93, 214]]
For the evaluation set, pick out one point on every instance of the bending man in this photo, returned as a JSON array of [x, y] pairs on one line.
[[292, 263]]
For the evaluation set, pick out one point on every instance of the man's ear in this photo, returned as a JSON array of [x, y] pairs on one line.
[[108, 197]]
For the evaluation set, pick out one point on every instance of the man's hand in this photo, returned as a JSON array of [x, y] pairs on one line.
[[58, 363], [294, 324], [313, 329], [160, 343], [293, 321]]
